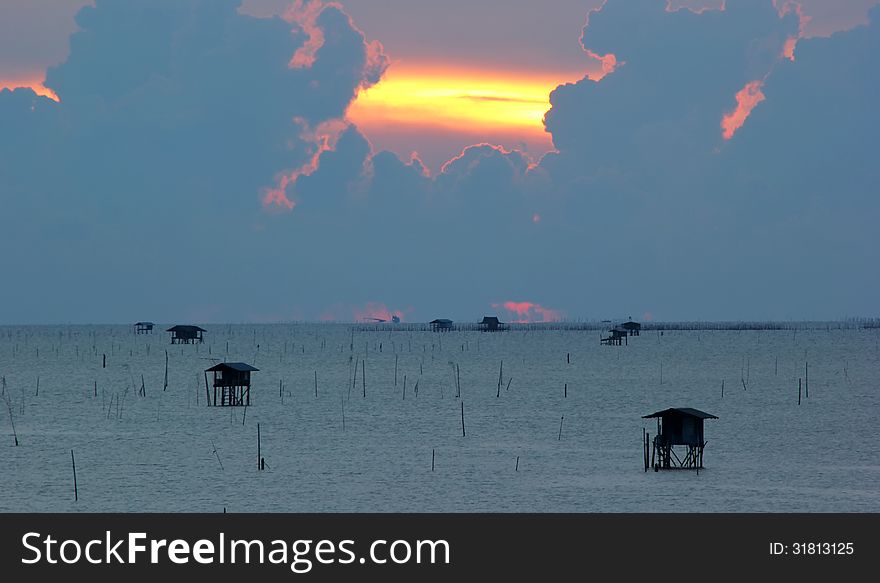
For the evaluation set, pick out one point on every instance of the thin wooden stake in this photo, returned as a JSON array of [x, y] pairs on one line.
[[11, 420], [516, 469], [799, 391], [259, 455], [806, 379], [462, 419], [75, 489], [561, 419], [216, 454], [432, 460]]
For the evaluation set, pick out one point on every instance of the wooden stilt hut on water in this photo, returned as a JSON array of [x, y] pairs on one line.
[[616, 338], [186, 334], [632, 328], [492, 324], [676, 426], [234, 381], [441, 325], [143, 328]]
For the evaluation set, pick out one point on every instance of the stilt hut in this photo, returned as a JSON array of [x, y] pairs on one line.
[[616, 338], [186, 334], [234, 381], [441, 325], [491, 324], [632, 328], [677, 426], [143, 328]]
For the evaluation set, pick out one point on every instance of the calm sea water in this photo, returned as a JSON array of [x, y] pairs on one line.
[[157, 453]]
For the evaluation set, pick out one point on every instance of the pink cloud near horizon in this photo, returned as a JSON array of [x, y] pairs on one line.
[[529, 312]]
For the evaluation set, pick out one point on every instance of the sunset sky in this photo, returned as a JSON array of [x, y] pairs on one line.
[[369, 158]]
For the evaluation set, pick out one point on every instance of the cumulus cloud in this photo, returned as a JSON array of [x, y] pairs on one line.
[[705, 175], [174, 117]]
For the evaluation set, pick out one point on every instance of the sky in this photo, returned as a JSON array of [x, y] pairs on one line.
[[268, 160]]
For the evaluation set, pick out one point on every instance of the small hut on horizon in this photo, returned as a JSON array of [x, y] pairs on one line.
[[491, 324], [677, 426], [185, 334], [441, 325], [632, 328], [143, 327], [234, 381]]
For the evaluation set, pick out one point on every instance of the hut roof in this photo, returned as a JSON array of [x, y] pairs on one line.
[[185, 328], [441, 321], [144, 324], [630, 325], [490, 320], [681, 411], [236, 366]]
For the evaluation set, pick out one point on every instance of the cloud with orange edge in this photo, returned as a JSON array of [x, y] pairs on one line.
[[529, 312], [746, 99]]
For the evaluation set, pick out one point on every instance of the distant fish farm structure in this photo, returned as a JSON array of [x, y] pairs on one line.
[[441, 325], [143, 328], [185, 334], [617, 337], [634, 329], [492, 324], [676, 426], [234, 381]]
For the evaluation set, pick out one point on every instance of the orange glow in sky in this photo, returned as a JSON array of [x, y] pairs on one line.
[[457, 99], [36, 86], [746, 100]]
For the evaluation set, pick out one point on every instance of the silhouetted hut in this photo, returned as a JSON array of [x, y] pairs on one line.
[[234, 381], [677, 426], [143, 328], [633, 328], [441, 325], [186, 334], [616, 338], [491, 324]]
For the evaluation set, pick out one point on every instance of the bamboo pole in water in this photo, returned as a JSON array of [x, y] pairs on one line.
[[807, 379], [75, 489]]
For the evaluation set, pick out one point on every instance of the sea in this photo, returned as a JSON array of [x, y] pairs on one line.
[[353, 418]]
